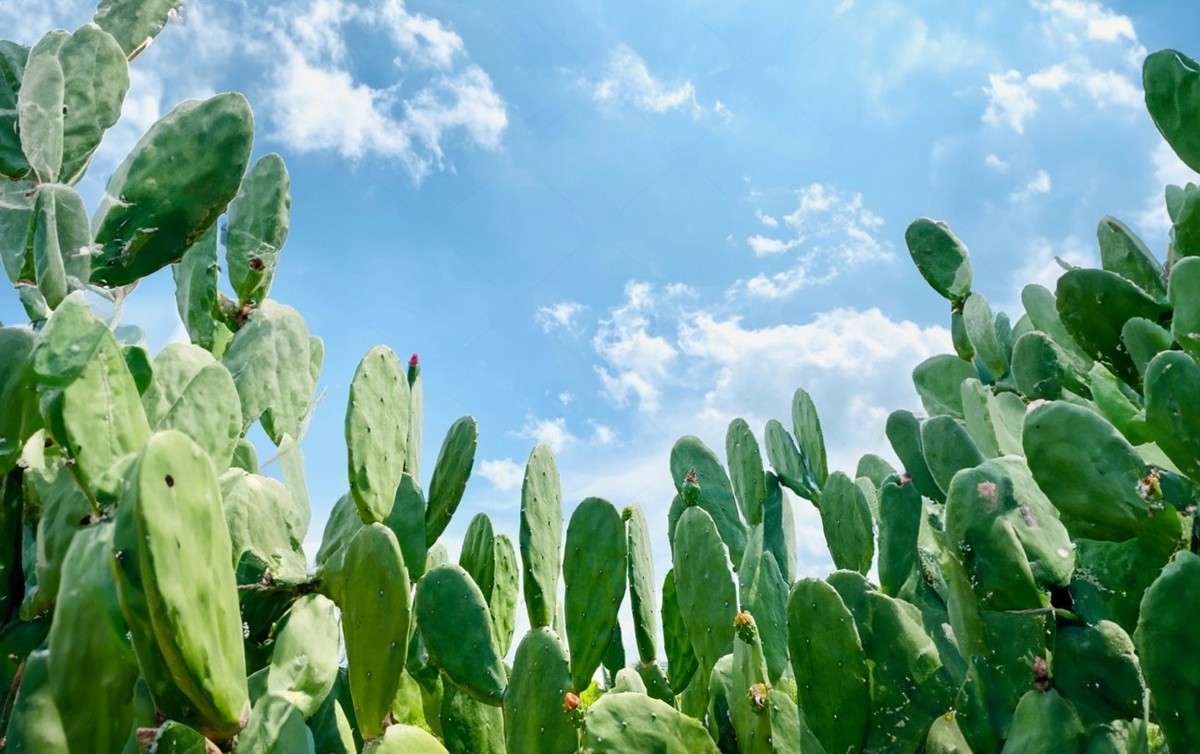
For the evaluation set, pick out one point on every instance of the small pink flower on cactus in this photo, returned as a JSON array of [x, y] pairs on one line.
[[570, 702], [412, 362], [987, 491]]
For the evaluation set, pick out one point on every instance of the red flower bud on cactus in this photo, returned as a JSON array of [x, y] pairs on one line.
[[412, 362], [570, 702]]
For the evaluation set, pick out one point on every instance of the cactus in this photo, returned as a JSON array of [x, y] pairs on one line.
[[706, 591], [682, 662], [899, 528], [470, 726], [258, 228], [194, 393], [35, 726], [304, 660], [541, 536], [594, 566], [642, 599], [629, 721], [764, 593], [940, 257], [450, 475], [937, 380], [538, 700], [1172, 84], [746, 470], [1168, 608], [377, 432], [715, 493]]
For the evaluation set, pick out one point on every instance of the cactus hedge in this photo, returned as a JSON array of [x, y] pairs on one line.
[[1025, 582]]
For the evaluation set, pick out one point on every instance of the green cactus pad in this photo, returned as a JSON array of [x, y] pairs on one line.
[[503, 601], [61, 242], [830, 667], [846, 519], [682, 663], [478, 554], [1172, 380], [764, 594], [407, 521], [468, 656], [470, 726], [35, 725], [270, 359], [1044, 723], [275, 727], [12, 68], [779, 528], [874, 468], [256, 513], [541, 535], [1184, 294], [194, 393], [1171, 81], [1119, 404], [375, 620], [450, 475], [1097, 670], [340, 528], [626, 722], [304, 660], [1122, 252], [1144, 340], [642, 599], [96, 78], [1036, 367], [173, 552], [981, 329], [789, 463], [1095, 486], [807, 426], [196, 293], [940, 257], [89, 633], [904, 433], [716, 491], [40, 106], [899, 527], [156, 206], [746, 470], [405, 739], [948, 449], [1094, 305], [937, 380], [376, 432], [1168, 614], [535, 720], [20, 417], [945, 737], [258, 228], [134, 22], [707, 593], [594, 566], [1185, 218]]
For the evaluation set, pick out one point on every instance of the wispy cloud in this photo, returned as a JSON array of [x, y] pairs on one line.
[[553, 432], [635, 362], [504, 474], [1038, 184], [995, 163], [627, 79], [563, 315], [831, 231]]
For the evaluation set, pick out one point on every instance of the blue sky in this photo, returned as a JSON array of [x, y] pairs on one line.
[[606, 225]]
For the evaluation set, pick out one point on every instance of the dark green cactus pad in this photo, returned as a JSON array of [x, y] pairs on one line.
[[377, 432], [1120, 405], [170, 520], [1184, 293], [707, 594], [764, 594], [716, 492], [1122, 252], [1144, 340], [407, 521], [779, 528], [1095, 486], [748, 690], [304, 659], [940, 258], [807, 426], [1171, 81], [948, 449], [981, 329], [790, 465], [721, 693], [478, 554], [89, 633], [375, 620], [1094, 305], [405, 739], [416, 418], [470, 726], [995, 421], [35, 725], [155, 205], [270, 359], [1167, 622], [196, 293], [450, 475], [503, 601], [1036, 368], [655, 680], [904, 433], [1041, 307], [945, 737], [1172, 382], [16, 217], [627, 679], [541, 535], [1185, 232], [682, 662], [746, 470], [614, 654], [594, 566], [832, 683], [899, 527], [1096, 669], [333, 725], [937, 380], [61, 242], [12, 68], [535, 720], [343, 523], [275, 727], [172, 738], [134, 22], [874, 468], [194, 393], [642, 599], [1044, 723], [846, 519], [258, 228], [96, 78], [468, 656], [621, 723], [20, 417]]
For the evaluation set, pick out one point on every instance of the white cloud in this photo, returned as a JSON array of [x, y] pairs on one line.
[[422, 38], [564, 314], [565, 398], [1013, 99], [602, 434], [1092, 19], [504, 474], [1039, 266], [995, 163], [833, 231], [1038, 184], [1169, 170], [627, 79], [552, 432], [766, 219], [636, 363]]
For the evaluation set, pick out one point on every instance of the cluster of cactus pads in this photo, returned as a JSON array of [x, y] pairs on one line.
[[1035, 557]]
